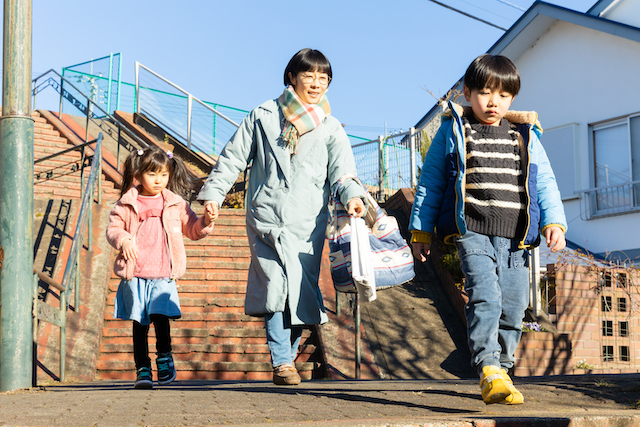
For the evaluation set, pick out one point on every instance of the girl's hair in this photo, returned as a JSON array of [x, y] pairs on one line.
[[493, 72], [307, 60], [154, 159]]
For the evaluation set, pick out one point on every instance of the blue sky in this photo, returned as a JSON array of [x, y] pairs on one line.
[[384, 54]]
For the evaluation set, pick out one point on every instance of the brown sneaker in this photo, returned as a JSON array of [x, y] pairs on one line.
[[285, 374]]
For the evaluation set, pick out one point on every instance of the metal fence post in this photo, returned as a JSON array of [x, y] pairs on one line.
[[16, 199], [189, 108], [412, 159], [534, 290], [136, 107], [380, 168]]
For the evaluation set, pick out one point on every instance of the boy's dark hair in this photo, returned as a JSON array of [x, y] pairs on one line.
[[493, 72], [307, 60], [154, 159]]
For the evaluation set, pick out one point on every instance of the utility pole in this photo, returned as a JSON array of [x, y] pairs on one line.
[[16, 199]]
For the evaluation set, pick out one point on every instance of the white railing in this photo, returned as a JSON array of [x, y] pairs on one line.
[[155, 103], [611, 200]]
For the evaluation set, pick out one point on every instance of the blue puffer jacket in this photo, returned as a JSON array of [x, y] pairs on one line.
[[439, 201]]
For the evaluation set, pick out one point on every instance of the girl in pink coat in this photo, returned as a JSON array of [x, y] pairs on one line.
[[146, 225]]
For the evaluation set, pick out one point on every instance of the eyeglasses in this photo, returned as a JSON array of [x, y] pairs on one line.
[[309, 78]]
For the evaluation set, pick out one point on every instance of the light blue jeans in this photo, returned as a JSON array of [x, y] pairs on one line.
[[282, 338], [497, 283]]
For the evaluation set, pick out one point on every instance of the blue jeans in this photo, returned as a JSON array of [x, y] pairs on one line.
[[282, 338], [497, 283]]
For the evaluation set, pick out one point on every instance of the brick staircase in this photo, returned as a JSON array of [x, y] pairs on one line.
[[214, 339], [59, 177]]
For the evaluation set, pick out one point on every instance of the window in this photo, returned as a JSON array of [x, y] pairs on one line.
[[624, 353], [622, 304], [623, 329], [616, 169], [606, 279], [607, 328], [607, 353], [621, 280], [606, 304]]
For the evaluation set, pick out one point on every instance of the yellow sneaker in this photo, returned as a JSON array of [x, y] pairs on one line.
[[516, 398], [493, 385]]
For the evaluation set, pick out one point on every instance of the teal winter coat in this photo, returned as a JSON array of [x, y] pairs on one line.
[[286, 203]]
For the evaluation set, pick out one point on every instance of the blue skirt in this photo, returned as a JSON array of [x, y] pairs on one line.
[[138, 298]]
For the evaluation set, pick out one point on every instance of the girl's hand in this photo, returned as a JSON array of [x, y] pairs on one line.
[[129, 250], [211, 212], [555, 239], [355, 207], [421, 250]]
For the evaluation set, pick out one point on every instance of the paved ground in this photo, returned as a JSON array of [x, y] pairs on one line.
[[550, 401]]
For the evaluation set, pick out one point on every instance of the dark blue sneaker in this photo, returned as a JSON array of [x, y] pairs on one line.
[[166, 369], [143, 378]]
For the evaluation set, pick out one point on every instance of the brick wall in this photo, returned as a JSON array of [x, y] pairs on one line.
[[595, 310]]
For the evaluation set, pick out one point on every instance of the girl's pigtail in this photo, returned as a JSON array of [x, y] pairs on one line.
[[180, 179], [130, 170]]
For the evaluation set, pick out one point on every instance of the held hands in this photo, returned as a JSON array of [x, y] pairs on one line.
[[355, 207], [555, 239], [128, 249], [421, 250], [211, 212]]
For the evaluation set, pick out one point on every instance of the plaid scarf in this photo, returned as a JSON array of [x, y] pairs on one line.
[[300, 117]]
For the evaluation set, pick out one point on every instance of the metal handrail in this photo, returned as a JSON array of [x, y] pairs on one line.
[[71, 279], [610, 200], [90, 105], [190, 99]]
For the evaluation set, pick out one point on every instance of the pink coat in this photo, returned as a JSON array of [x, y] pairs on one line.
[[177, 218]]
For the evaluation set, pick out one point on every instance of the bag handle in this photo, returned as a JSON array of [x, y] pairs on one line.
[[371, 215]]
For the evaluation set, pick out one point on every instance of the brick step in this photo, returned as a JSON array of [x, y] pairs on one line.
[[231, 221], [195, 323], [186, 365], [191, 287], [216, 242], [41, 150], [52, 141], [45, 140], [42, 129], [57, 162], [71, 190], [213, 263], [223, 275], [219, 252], [200, 333], [258, 349], [208, 301], [70, 180], [191, 312], [38, 119], [229, 231]]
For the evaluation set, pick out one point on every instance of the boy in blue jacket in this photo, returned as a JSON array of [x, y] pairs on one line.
[[487, 187]]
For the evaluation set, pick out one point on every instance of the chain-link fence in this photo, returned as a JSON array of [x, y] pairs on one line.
[[385, 164], [98, 79], [389, 163]]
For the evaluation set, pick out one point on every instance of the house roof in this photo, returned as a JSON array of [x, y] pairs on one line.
[[535, 22], [601, 6]]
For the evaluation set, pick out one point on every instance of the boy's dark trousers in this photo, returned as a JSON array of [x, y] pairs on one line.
[[141, 342]]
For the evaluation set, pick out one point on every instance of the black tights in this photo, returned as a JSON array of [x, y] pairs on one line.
[[141, 343]]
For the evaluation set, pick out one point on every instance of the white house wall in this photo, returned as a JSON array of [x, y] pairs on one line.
[[627, 12], [573, 74]]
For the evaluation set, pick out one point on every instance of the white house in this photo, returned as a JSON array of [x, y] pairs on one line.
[[581, 73]]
